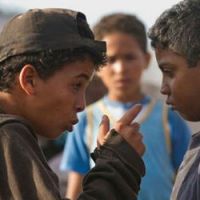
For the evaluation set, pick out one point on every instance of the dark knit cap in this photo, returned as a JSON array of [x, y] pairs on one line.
[[47, 29]]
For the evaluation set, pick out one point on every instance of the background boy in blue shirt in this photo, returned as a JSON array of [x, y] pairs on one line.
[[165, 134]]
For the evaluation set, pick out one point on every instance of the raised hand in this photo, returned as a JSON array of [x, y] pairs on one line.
[[124, 126]]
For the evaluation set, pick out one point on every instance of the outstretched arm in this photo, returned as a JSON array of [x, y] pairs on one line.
[[74, 186], [119, 168]]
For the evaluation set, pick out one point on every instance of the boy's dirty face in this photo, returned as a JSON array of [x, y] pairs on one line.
[[180, 83], [126, 62], [61, 97]]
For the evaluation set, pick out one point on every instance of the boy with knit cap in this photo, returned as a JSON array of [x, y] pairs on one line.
[[47, 59]]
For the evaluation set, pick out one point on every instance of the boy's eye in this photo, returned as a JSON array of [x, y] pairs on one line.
[[80, 85], [111, 59], [129, 57], [167, 72], [77, 86]]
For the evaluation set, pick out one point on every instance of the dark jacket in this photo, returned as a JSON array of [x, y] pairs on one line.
[[25, 174]]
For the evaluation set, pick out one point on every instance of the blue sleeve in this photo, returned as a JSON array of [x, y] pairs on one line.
[[180, 137], [76, 155]]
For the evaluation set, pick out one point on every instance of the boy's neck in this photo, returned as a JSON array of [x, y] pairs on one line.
[[8, 104]]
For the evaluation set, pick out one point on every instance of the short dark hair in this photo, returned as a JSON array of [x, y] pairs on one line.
[[178, 29], [124, 23], [45, 62]]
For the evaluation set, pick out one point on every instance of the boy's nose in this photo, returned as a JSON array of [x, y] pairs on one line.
[[118, 66], [81, 103], [164, 89]]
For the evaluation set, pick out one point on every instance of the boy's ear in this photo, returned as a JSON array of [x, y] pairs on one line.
[[147, 59], [27, 79]]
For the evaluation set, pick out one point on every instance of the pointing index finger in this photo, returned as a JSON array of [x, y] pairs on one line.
[[131, 114]]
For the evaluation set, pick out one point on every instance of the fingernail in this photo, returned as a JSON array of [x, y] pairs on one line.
[[104, 118], [138, 105], [137, 125]]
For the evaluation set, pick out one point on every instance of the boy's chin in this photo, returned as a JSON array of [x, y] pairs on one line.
[[69, 128], [190, 117]]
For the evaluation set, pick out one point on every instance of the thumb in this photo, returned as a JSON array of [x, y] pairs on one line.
[[104, 128]]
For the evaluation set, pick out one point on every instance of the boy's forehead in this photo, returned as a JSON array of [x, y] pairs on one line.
[[80, 68], [166, 53], [167, 57]]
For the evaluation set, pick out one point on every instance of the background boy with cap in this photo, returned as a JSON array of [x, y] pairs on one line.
[[176, 39], [47, 58]]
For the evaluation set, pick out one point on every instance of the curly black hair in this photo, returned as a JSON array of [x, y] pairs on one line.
[[178, 29], [46, 63]]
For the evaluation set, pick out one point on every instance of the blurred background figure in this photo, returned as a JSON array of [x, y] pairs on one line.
[[165, 134]]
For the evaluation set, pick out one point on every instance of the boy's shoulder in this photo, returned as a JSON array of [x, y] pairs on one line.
[[12, 125], [7, 119]]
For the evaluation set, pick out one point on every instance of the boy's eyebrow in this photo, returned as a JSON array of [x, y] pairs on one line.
[[163, 64], [85, 76]]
